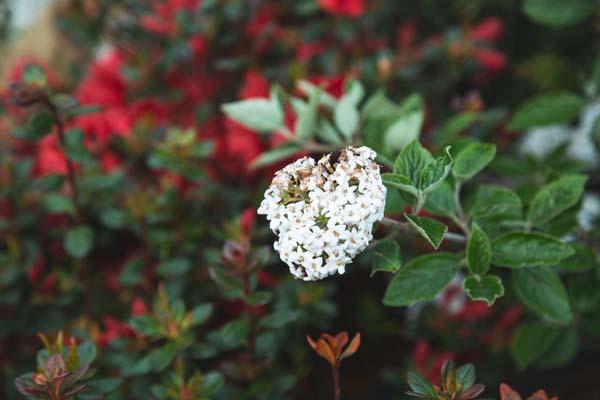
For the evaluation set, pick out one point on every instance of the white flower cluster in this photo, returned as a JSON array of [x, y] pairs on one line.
[[323, 212]]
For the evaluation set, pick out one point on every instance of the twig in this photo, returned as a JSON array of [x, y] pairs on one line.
[[71, 174]]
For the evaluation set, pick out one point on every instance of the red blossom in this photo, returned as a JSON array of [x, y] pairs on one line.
[[347, 8], [427, 362], [138, 307], [489, 30], [114, 329]]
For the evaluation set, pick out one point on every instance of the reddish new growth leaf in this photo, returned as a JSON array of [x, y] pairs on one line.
[[508, 393], [332, 349]]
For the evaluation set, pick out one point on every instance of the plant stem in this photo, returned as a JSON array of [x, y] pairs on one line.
[[251, 319], [336, 382], [461, 221], [71, 174]]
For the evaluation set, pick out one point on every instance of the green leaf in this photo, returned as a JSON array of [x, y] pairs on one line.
[[407, 127], [420, 385], [235, 333], [57, 203], [113, 218], [104, 386], [435, 173], [429, 228], [307, 118], [399, 182], [173, 267], [146, 325], [487, 288], [328, 133], [280, 318], [542, 291], [86, 353], [454, 126], [496, 203], [547, 109], [555, 198], [38, 126], [259, 298], [531, 341], [201, 313], [441, 201], [262, 115], [421, 279], [479, 251], [411, 161], [78, 241], [562, 351], [82, 110], [584, 259], [345, 113], [559, 13], [212, 382], [522, 250], [465, 376], [309, 88], [74, 147], [275, 155], [473, 159], [386, 257], [583, 291]]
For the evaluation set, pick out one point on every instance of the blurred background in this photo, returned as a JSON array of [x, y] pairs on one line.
[[165, 179]]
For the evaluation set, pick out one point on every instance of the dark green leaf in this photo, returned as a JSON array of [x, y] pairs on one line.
[[465, 376], [479, 251], [441, 201], [434, 173], [531, 341], [411, 161], [235, 333], [562, 351], [400, 182], [78, 241], [421, 279], [174, 267], [420, 385], [555, 198], [559, 13], [547, 109], [386, 256], [522, 249], [201, 313], [473, 159], [38, 126], [429, 228], [57, 203], [541, 290], [487, 288]]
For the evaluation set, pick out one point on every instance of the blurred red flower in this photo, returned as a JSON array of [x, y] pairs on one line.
[[348, 8]]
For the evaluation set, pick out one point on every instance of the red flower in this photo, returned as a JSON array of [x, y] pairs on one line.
[[348, 8], [488, 30], [138, 307], [114, 329], [50, 158], [254, 85], [492, 60], [247, 220], [429, 363]]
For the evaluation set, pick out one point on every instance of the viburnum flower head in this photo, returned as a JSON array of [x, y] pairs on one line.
[[323, 212]]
